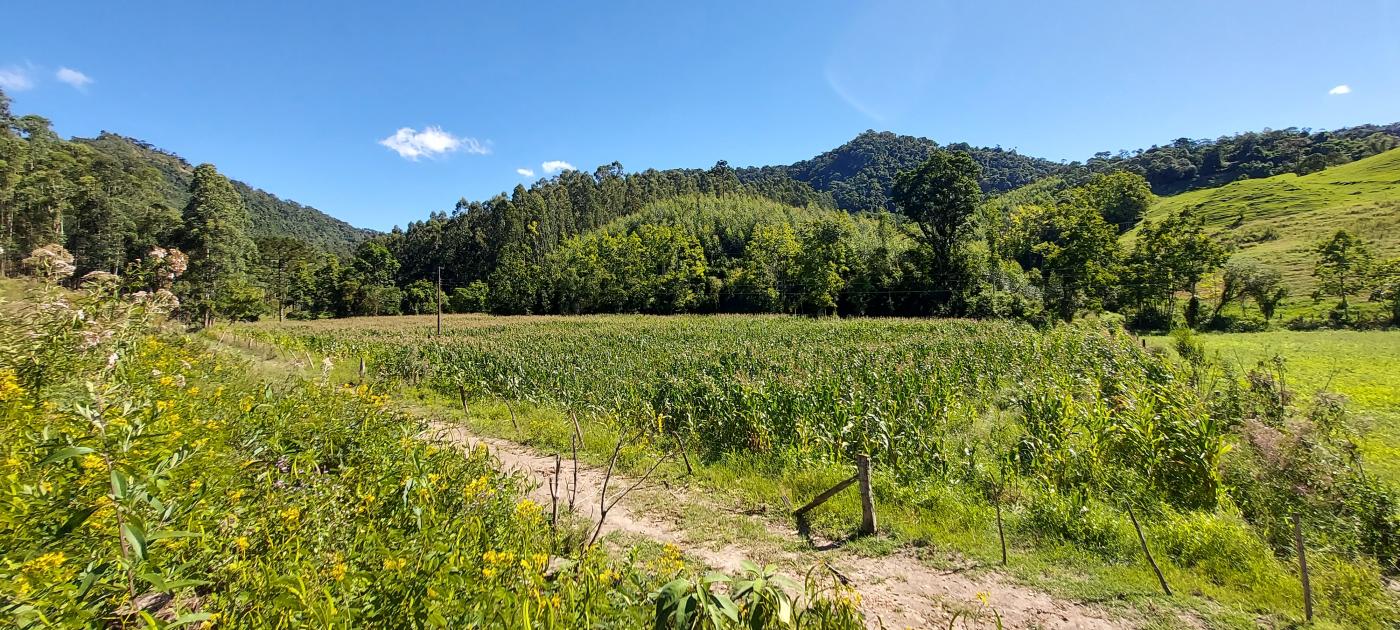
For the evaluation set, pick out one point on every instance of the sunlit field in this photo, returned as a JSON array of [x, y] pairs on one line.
[[1064, 427]]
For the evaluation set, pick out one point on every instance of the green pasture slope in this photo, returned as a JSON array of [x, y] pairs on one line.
[[1277, 220], [1363, 366]]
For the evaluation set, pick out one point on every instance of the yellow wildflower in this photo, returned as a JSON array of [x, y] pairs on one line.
[[10, 389], [527, 509], [241, 542], [291, 514], [338, 571], [51, 560], [92, 462]]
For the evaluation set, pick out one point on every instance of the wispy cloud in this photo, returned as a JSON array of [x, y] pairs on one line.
[[432, 141], [1341, 89], [15, 79], [73, 77], [555, 166], [525, 172]]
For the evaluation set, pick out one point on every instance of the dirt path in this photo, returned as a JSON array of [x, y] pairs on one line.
[[897, 590]]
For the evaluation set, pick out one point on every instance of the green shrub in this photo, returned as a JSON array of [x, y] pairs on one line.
[[1220, 544]]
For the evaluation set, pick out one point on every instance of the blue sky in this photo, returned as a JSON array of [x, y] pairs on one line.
[[307, 102]]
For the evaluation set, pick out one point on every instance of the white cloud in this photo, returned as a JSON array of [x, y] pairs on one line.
[[73, 77], [412, 144], [1341, 89], [555, 166], [15, 79], [525, 172]]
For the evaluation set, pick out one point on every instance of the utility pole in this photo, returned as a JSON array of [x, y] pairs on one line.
[[438, 298]]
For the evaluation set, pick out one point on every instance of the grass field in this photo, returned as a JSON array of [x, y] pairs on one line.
[[1063, 427], [1277, 220], [1364, 366]]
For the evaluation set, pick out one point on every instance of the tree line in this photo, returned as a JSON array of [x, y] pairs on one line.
[[672, 241]]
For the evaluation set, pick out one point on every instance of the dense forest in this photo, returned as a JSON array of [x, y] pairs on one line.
[[883, 225], [270, 215], [1187, 164]]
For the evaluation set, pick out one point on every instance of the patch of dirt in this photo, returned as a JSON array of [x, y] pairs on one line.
[[898, 591]]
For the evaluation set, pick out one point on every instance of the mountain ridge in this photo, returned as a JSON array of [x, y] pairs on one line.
[[270, 214]]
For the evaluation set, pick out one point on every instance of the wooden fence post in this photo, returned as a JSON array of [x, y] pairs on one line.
[[362, 368], [1143, 541], [1303, 567], [1001, 534], [867, 502]]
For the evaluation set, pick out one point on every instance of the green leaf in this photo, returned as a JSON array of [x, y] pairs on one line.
[[170, 533], [66, 452], [727, 607], [76, 518], [136, 536], [156, 581], [189, 618], [118, 484]]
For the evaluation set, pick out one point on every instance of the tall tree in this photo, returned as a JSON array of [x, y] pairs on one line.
[[941, 195], [1168, 257], [1385, 286], [216, 239], [279, 258], [1342, 263], [1080, 259], [1122, 197]]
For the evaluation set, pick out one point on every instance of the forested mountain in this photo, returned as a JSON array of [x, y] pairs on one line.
[[859, 174], [1188, 164], [270, 215]]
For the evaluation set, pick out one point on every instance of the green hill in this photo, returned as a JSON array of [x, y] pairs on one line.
[[859, 174], [270, 214], [1278, 219]]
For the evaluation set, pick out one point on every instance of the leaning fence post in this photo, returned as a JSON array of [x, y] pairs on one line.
[[1001, 534], [362, 368], [1143, 541], [867, 502], [1303, 567]]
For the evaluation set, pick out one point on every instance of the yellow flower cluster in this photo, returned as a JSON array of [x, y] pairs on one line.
[[46, 562], [498, 557], [363, 393], [338, 571], [395, 564], [478, 487], [10, 389], [291, 514], [527, 510], [670, 562]]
